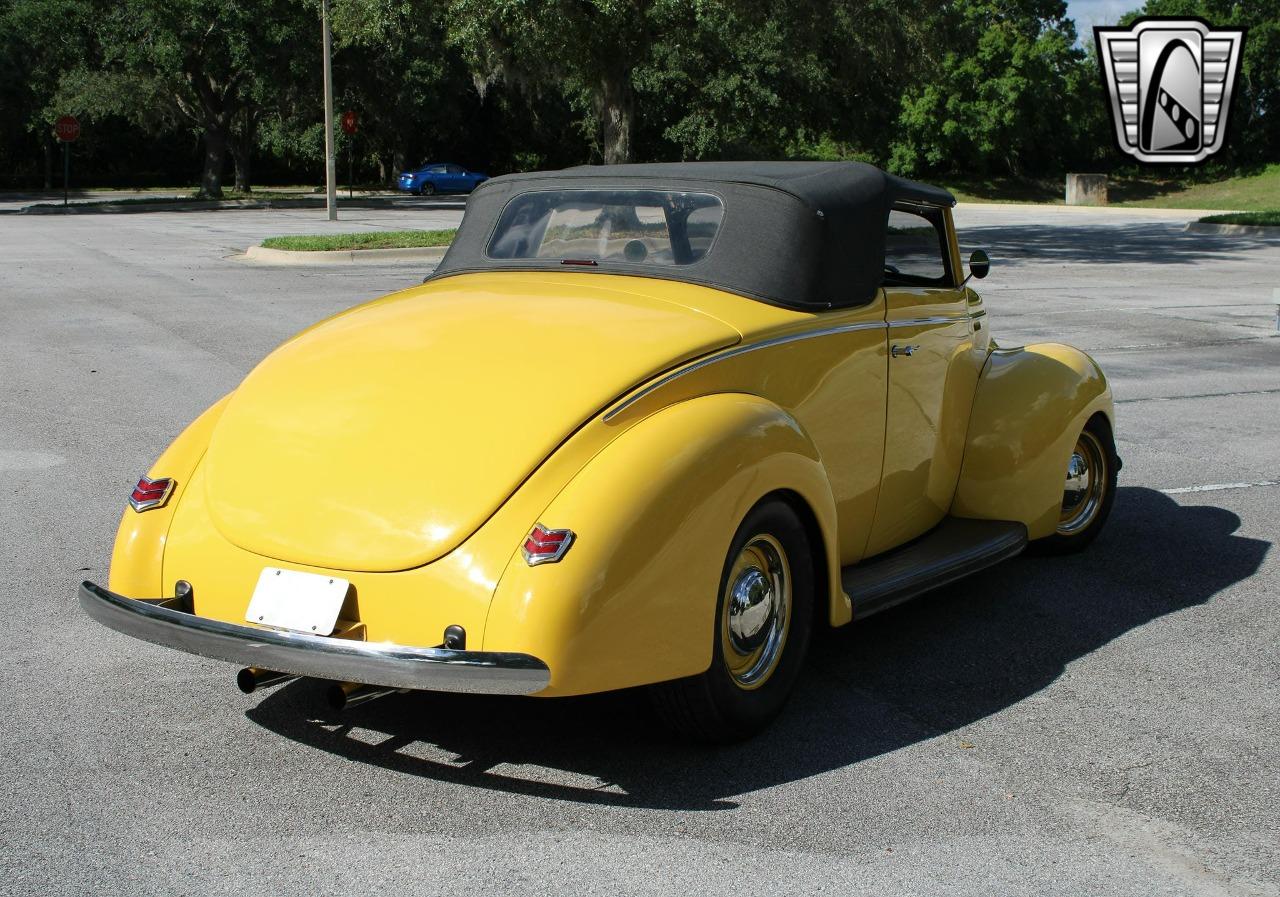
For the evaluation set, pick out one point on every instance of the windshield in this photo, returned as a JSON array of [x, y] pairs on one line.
[[638, 227]]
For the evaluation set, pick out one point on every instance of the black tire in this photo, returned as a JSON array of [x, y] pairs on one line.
[[1074, 540], [714, 706], [428, 189]]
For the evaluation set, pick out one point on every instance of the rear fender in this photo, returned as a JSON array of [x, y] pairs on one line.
[[140, 540], [1031, 404], [633, 600]]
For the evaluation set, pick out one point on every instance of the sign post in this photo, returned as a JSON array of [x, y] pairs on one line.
[[66, 129], [349, 122], [330, 177]]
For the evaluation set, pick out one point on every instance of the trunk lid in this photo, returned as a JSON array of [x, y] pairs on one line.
[[382, 438]]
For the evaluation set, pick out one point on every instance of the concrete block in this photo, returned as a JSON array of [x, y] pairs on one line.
[[1086, 189]]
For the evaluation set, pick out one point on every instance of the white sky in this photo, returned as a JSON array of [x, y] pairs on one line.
[[1088, 13]]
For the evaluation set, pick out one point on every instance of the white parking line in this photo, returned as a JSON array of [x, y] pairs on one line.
[[1217, 487]]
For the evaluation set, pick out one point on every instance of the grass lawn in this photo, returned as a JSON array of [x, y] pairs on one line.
[[387, 239], [1255, 192], [1005, 189], [1269, 218], [1252, 193], [262, 194]]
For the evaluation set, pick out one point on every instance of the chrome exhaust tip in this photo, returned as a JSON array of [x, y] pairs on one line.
[[344, 695], [250, 679]]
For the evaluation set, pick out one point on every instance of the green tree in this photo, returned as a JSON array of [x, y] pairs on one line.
[[1000, 91], [40, 40], [207, 64], [584, 49], [756, 78], [414, 97]]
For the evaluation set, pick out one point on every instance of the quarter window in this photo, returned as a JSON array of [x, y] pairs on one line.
[[914, 250]]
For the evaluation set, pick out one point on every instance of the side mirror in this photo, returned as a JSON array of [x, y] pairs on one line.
[[979, 264]]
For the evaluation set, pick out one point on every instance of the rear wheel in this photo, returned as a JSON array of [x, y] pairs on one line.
[[764, 614], [1089, 491]]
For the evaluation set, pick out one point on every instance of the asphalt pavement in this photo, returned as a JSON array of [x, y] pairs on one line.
[[1105, 724]]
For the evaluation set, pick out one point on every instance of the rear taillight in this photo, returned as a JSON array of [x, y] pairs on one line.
[[150, 494], [546, 546]]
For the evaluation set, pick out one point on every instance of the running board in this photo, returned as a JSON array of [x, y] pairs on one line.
[[952, 550]]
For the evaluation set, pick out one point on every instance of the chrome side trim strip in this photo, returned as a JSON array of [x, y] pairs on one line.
[[344, 660], [936, 319], [734, 353]]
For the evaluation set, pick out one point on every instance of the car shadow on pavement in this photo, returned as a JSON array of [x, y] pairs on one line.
[[1155, 242], [917, 672]]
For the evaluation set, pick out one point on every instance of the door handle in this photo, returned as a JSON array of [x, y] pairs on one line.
[[895, 351]]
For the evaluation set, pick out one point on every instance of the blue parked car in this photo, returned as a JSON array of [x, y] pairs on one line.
[[440, 177]]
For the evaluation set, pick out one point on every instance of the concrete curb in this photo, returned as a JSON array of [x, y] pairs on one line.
[[368, 202], [88, 208], [1115, 208], [1250, 230], [266, 256]]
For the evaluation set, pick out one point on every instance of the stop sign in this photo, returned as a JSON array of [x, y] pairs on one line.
[[349, 122], [67, 128]]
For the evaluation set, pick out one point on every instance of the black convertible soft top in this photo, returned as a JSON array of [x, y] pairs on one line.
[[804, 235]]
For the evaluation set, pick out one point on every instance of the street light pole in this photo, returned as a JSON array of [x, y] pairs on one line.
[[330, 170]]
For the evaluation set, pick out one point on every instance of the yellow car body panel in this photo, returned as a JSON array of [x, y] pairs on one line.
[[633, 601], [829, 375], [139, 549], [1031, 404], [930, 393], [410, 607]]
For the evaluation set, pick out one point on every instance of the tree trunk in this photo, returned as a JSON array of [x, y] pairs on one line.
[[48, 163], [383, 177], [240, 155], [241, 150], [617, 112], [215, 158], [217, 112]]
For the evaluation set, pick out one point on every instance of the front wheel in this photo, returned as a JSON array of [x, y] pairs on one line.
[[428, 189], [764, 614], [1088, 493]]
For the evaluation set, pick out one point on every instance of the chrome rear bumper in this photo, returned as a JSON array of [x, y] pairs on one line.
[[344, 660]]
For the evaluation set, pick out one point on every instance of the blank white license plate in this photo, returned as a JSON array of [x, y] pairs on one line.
[[302, 602]]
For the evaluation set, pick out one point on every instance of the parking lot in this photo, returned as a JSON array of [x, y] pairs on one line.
[[1100, 724]]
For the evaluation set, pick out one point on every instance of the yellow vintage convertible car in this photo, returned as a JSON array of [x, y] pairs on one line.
[[644, 426]]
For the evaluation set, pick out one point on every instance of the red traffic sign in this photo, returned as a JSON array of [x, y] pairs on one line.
[[349, 122], [67, 128]]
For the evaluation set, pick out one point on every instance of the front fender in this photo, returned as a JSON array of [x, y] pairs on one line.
[[139, 547], [1030, 406], [633, 601]]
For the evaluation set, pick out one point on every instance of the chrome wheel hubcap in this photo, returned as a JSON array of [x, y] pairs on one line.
[[1085, 487], [757, 611]]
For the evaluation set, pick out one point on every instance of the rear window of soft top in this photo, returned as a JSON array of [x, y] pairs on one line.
[[636, 227]]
